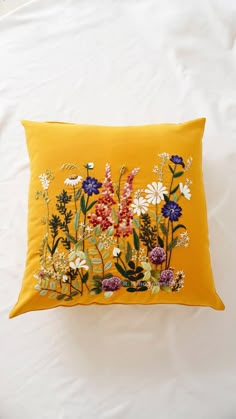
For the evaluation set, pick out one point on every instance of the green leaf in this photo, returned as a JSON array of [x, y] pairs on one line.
[[164, 229], [107, 266], [53, 295], [74, 293], [49, 248], [131, 289], [92, 240], [100, 246], [95, 291], [60, 297], [155, 289], [146, 266], [179, 226], [171, 169], [147, 275], [128, 255], [143, 288], [110, 231], [140, 276], [136, 240], [155, 274], [153, 214], [178, 174], [136, 222], [121, 270], [55, 245], [93, 251], [52, 285], [43, 292], [68, 298], [108, 294], [105, 254], [97, 277], [97, 230], [131, 264], [71, 238], [83, 205], [97, 269], [114, 215], [108, 275], [166, 198], [175, 198], [160, 241], [85, 277], [96, 261], [166, 289], [76, 220], [174, 190], [159, 219], [78, 194], [91, 205], [173, 243]]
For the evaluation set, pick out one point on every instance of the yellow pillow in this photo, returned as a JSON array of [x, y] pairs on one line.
[[116, 215]]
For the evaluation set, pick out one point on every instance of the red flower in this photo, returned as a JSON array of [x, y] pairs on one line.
[[103, 208], [125, 213]]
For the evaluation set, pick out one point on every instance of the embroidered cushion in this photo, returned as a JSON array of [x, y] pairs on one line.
[[116, 215]]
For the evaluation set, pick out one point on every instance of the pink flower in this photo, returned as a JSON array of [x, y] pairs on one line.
[[125, 212], [103, 208]]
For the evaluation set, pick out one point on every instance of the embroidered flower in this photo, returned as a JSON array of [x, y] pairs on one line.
[[125, 213], [140, 206], [65, 278], [79, 264], [157, 255], [188, 164], [167, 278], [111, 284], [183, 239], [45, 182], [91, 186], [177, 160], [155, 192], [116, 252], [73, 180], [103, 208], [179, 281], [164, 156], [185, 191], [172, 211], [89, 165]]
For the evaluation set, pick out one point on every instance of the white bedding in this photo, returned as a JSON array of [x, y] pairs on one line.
[[119, 62]]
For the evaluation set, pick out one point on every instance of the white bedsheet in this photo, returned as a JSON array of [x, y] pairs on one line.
[[119, 62]]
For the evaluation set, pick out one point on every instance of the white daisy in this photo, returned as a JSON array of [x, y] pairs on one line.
[[185, 191], [155, 192], [116, 252], [140, 206], [44, 181], [79, 264], [73, 180]]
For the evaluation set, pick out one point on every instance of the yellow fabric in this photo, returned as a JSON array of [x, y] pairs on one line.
[[59, 153]]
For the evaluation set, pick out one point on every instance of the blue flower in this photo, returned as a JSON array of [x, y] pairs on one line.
[[177, 160], [91, 185], [172, 211]]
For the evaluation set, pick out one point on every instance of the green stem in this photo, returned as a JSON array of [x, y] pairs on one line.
[[85, 219], [172, 180], [82, 285], [76, 209], [103, 270], [168, 226], [172, 237], [157, 222]]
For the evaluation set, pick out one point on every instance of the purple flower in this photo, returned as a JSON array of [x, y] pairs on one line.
[[177, 160], [157, 255], [111, 284], [172, 211], [167, 278], [91, 185]]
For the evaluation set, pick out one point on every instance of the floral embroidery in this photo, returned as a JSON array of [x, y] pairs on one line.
[[104, 235]]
